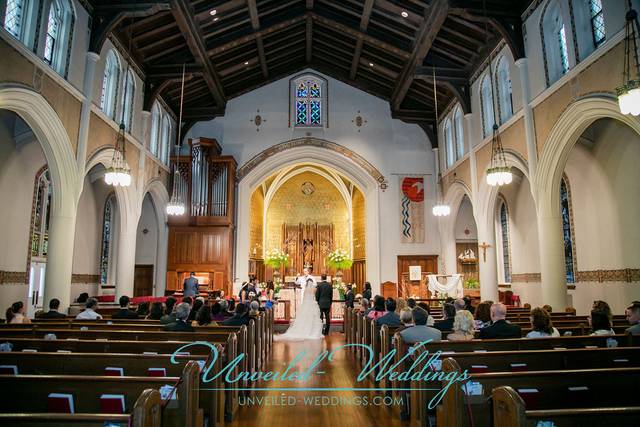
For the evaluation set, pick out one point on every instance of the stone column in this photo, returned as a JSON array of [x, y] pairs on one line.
[[487, 264], [57, 279], [529, 127], [473, 168], [85, 111], [126, 257], [552, 267]]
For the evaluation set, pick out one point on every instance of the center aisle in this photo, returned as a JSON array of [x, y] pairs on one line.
[[308, 409]]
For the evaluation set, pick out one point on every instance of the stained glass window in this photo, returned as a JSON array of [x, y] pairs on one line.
[[42, 202], [504, 90], [127, 101], [53, 29], [448, 139], [457, 118], [107, 230], [597, 22], [155, 132], [110, 84], [308, 103], [486, 95], [13, 17], [564, 53], [565, 204], [504, 227]]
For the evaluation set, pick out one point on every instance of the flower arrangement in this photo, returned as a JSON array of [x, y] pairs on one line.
[[339, 259], [471, 284], [341, 287], [276, 258]]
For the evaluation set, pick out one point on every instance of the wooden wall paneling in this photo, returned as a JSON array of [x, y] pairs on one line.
[[428, 264]]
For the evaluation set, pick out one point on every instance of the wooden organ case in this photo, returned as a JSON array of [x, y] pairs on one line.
[[202, 239]]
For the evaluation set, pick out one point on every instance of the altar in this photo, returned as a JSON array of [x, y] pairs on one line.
[[289, 299]]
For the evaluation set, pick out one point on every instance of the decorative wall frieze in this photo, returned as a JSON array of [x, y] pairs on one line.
[[13, 277], [84, 278]]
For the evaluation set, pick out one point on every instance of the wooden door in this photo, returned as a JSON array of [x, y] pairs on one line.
[[359, 274], [428, 264], [143, 281]]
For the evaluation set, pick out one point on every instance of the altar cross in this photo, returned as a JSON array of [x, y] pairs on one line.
[[484, 247]]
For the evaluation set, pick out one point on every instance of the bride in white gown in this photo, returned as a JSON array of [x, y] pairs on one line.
[[307, 324]]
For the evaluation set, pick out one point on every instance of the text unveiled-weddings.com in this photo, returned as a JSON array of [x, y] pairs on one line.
[[421, 369]]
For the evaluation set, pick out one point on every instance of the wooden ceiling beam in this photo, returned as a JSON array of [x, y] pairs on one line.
[[309, 39], [364, 23], [171, 71], [366, 15], [183, 13], [454, 75], [255, 24], [426, 34], [457, 58], [462, 36]]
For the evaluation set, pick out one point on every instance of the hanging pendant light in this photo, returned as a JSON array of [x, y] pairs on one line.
[[176, 204], [499, 173], [440, 208], [118, 174], [629, 92]]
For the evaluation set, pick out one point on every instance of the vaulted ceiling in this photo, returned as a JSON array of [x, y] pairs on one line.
[[388, 48]]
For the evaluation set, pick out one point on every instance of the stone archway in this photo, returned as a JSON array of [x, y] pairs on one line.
[[50, 132], [323, 153]]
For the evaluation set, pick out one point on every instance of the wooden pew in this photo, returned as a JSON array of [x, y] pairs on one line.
[[509, 410], [29, 393], [146, 412], [457, 409]]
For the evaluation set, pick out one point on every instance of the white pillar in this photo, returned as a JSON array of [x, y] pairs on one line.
[[57, 279], [126, 258], [552, 268], [487, 261], [473, 168], [85, 111], [529, 128], [161, 259]]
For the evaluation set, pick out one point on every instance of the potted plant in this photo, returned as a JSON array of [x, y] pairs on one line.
[[471, 284]]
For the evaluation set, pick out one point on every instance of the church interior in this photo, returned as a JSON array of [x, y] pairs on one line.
[[175, 175]]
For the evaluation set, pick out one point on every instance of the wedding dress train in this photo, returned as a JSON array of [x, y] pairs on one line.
[[307, 325]]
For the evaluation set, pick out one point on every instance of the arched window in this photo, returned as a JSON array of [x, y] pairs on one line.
[[554, 39], [505, 99], [165, 136], [14, 17], [107, 236], [57, 33], [504, 234], [486, 99], [597, 22], [110, 84], [52, 35], [127, 101], [448, 140], [459, 124], [155, 129], [40, 216], [309, 107], [565, 209]]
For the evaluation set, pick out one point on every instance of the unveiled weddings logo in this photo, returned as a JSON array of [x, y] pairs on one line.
[[420, 367]]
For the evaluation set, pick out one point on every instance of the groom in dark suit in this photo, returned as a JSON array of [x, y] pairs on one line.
[[324, 295]]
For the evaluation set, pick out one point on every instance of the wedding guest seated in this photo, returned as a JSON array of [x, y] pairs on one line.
[[231, 307], [169, 315], [600, 323], [124, 312], [367, 291], [463, 327], [547, 308], [633, 317], [239, 318], [216, 311], [541, 325], [406, 318], [53, 312], [459, 304], [378, 308], [89, 312], [390, 318], [411, 303], [527, 306], [603, 306], [156, 311], [570, 311], [401, 304], [143, 309], [365, 306], [425, 307], [468, 306], [500, 328], [224, 309], [483, 315], [420, 332], [254, 309], [203, 317], [446, 324], [82, 298], [15, 313], [194, 310], [181, 324]]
